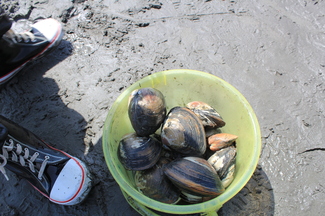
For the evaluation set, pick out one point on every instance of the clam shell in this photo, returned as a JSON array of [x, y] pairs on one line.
[[229, 176], [190, 198], [147, 110], [155, 184], [183, 132], [139, 153], [195, 176], [208, 115], [221, 140], [222, 160], [209, 131]]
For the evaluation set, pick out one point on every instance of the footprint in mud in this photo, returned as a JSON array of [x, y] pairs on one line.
[[82, 46]]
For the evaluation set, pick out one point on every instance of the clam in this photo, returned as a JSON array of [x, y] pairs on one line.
[[146, 110], [209, 131], [183, 132], [229, 176], [139, 153], [190, 198], [208, 115], [168, 153], [155, 184], [221, 140], [222, 160], [195, 176]]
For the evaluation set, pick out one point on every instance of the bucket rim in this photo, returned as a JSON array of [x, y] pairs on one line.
[[209, 206]]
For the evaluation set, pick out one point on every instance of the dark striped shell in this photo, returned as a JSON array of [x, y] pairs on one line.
[[139, 153], [147, 110], [195, 176], [155, 184], [182, 131]]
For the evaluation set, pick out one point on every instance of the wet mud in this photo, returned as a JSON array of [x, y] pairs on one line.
[[273, 52]]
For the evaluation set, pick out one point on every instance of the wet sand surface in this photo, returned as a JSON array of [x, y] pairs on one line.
[[273, 52]]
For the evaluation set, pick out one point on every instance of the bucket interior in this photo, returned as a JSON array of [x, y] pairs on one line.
[[180, 87]]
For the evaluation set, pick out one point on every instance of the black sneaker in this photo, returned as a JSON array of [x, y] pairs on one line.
[[16, 50], [61, 178]]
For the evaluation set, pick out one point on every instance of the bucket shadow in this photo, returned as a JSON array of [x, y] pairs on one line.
[[256, 198]]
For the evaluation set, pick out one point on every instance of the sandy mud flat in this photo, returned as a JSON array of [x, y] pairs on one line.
[[273, 52]]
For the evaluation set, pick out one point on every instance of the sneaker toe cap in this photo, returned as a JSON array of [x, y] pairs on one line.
[[50, 28], [72, 184]]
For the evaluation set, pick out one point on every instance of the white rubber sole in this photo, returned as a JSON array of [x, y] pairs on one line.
[[72, 185]]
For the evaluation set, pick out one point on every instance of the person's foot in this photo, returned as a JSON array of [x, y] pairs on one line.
[[61, 178], [16, 50]]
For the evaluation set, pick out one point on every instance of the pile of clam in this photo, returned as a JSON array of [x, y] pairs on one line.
[[189, 160]]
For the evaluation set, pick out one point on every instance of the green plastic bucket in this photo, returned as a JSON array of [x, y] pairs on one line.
[[180, 87]]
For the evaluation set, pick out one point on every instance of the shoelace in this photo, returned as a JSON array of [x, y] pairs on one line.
[[19, 37], [22, 156]]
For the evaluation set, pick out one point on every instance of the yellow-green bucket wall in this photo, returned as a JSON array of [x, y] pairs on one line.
[[180, 87]]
